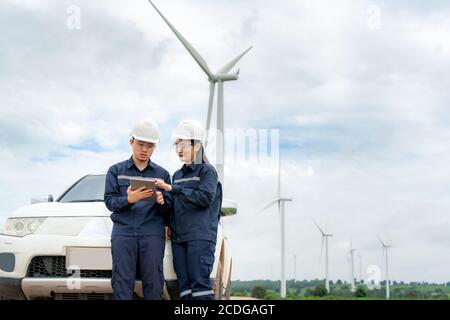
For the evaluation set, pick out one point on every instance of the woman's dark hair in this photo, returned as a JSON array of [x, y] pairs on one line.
[[200, 157]]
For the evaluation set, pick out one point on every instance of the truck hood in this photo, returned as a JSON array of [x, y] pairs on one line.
[[58, 209]]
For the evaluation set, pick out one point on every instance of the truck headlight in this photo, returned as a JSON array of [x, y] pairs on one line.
[[20, 227]]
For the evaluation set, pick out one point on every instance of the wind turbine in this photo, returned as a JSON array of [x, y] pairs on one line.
[[360, 267], [280, 202], [385, 251], [352, 259], [295, 267], [219, 77], [325, 237]]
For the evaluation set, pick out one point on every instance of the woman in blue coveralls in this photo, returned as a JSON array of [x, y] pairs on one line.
[[196, 199]]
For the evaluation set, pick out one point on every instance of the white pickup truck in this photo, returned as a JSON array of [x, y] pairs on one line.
[[62, 249]]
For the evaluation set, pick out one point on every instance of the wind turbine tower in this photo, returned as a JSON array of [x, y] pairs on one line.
[[352, 266], [385, 252], [280, 201], [360, 267], [325, 237], [295, 267]]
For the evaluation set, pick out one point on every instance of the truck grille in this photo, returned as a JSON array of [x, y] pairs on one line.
[[83, 296], [55, 267]]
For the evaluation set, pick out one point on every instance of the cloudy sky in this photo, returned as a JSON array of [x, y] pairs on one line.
[[358, 90]]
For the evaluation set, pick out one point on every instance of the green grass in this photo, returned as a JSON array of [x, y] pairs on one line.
[[299, 290]]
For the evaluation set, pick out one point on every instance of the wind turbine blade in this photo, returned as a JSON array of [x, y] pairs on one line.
[[197, 57], [212, 88], [320, 229], [268, 206], [381, 241], [225, 69]]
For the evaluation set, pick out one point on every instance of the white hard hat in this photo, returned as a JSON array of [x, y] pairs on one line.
[[189, 130], [146, 130]]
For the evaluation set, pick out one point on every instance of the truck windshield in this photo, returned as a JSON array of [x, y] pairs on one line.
[[89, 189]]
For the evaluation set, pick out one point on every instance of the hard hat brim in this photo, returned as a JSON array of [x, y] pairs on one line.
[[185, 137], [145, 139]]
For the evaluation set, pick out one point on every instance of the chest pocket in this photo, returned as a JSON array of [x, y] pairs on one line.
[[191, 184]]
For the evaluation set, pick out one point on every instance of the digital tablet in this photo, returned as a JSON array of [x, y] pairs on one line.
[[148, 183]]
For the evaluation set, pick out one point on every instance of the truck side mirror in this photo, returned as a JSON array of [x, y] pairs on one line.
[[41, 199]]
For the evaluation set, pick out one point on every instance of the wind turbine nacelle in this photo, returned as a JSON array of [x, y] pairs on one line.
[[226, 77]]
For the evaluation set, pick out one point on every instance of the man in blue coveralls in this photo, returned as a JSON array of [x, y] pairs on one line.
[[138, 235]]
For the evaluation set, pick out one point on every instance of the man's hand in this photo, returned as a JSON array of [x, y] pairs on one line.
[[159, 198], [138, 194], [161, 184]]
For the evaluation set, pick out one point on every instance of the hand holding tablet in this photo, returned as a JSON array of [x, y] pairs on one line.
[[142, 189]]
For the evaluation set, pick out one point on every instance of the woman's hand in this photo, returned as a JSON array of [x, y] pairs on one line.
[[159, 198], [161, 184]]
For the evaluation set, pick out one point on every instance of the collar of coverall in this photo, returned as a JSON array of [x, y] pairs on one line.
[[191, 166], [130, 163]]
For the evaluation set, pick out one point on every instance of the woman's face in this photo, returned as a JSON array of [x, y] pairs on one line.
[[184, 150]]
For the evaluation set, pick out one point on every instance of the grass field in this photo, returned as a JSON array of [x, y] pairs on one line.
[[315, 290]]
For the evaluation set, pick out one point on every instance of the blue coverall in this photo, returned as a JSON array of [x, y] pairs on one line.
[[138, 235], [195, 213]]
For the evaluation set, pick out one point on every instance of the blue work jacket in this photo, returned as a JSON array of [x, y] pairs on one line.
[[142, 218]]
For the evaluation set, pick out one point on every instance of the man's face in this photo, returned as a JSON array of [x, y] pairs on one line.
[[142, 150]]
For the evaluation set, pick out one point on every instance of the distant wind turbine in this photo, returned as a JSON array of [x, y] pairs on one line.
[[385, 253], [280, 202], [360, 267], [325, 237], [219, 77], [352, 261], [295, 267]]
